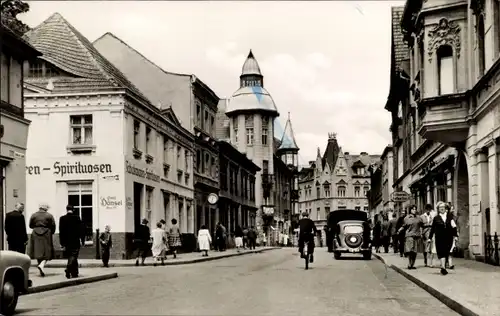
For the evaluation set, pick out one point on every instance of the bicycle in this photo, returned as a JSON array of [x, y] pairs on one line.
[[305, 251]]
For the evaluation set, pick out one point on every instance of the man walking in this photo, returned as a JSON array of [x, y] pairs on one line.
[[393, 231], [15, 229], [426, 231], [252, 237], [71, 235], [401, 235]]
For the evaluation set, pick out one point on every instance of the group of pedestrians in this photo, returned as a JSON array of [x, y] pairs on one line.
[[41, 246], [435, 232], [243, 237]]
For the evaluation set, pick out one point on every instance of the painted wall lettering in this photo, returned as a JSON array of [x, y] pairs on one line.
[[143, 173], [110, 202], [63, 169]]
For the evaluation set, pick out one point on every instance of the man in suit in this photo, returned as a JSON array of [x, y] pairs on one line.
[[15, 229], [71, 236], [307, 232]]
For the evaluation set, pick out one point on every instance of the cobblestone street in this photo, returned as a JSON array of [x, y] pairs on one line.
[[270, 283]]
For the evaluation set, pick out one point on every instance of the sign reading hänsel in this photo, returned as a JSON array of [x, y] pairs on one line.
[[143, 173]]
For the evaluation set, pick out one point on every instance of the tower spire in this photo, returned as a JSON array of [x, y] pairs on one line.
[[288, 140], [251, 76]]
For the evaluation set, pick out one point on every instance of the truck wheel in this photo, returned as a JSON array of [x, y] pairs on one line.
[[8, 298], [336, 255]]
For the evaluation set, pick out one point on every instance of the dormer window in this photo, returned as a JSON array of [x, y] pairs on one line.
[[40, 69]]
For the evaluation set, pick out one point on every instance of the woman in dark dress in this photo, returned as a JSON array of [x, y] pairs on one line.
[[444, 229], [377, 232]]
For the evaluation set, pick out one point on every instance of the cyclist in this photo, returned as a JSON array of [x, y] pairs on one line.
[[307, 232]]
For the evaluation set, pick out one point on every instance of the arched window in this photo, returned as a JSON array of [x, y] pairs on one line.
[[480, 45], [446, 74]]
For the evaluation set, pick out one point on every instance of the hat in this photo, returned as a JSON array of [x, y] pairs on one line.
[[145, 221], [305, 214], [43, 206]]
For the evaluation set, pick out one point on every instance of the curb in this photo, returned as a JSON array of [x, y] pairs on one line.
[[71, 282], [98, 264], [446, 300]]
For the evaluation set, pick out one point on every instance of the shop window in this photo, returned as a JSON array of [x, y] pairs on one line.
[[80, 197], [81, 129]]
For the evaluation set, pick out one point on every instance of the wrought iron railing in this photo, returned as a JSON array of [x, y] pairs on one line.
[[491, 251]]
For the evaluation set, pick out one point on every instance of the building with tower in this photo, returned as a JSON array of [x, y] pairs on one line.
[[246, 121], [337, 180]]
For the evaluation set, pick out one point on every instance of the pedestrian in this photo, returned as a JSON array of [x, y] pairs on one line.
[[444, 230], [285, 240], [204, 240], [238, 238], [165, 231], [412, 229], [41, 244], [219, 237], [252, 237], [377, 233], [245, 237], [15, 229], [174, 237], [158, 247], [384, 233], [451, 212], [141, 241], [426, 230], [71, 236], [106, 245], [393, 231], [401, 234]]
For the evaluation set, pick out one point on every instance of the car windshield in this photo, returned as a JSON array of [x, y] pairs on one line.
[[353, 229]]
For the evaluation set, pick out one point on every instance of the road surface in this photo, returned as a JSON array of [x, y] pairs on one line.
[[270, 283]]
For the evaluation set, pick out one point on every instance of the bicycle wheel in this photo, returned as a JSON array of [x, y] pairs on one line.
[[306, 255]]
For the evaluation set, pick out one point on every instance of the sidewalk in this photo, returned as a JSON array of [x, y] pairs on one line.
[[55, 279], [471, 289], [184, 258]]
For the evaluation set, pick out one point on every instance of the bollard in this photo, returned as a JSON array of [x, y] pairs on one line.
[[97, 245]]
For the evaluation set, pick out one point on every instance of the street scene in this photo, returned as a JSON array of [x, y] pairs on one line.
[[253, 157]]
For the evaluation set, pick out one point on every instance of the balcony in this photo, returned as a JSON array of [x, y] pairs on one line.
[[445, 119]]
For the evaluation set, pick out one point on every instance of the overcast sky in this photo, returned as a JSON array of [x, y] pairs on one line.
[[325, 62]]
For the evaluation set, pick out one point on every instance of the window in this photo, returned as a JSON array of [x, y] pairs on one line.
[[327, 190], [480, 45], [213, 169], [212, 124], [36, 69], [249, 136], [341, 191], [207, 164], [318, 193], [365, 191], [198, 113], [327, 211], [318, 214], [165, 149], [235, 127], [357, 191], [81, 129], [80, 197], [199, 161], [265, 166], [149, 202], [186, 161], [365, 208], [357, 208], [446, 76], [353, 229], [206, 125], [342, 207], [137, 129], [5, 86], [148, 140], [179, 154], [264, 136]]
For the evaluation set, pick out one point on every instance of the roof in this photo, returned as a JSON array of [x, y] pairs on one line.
[[332, 151], [251, 66], [288, 139], [222, 121], [66, 48], [252, 99], [17, 44]]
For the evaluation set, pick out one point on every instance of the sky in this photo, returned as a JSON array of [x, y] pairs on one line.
[[327, 63]]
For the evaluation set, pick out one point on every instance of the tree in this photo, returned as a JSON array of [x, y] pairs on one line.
[[10, 9]]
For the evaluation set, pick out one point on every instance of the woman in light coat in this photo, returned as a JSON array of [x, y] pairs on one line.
[[41, 244], [204, 240], [158, 248]]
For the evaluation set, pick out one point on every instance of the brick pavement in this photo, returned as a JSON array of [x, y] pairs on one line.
[[184, 258], [472, 288]]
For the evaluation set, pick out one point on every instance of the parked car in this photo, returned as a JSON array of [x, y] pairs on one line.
[[14, 277], [350, 233]]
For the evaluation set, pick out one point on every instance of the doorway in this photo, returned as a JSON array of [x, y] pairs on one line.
[[462, 203], [138, 187]]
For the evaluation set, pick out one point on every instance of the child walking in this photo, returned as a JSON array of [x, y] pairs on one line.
[[106, 244], [204, 240]]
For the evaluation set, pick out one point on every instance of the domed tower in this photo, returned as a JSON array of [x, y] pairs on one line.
[[288, 151], [251, 111]]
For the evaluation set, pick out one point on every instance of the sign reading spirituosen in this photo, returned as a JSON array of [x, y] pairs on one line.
[[400, 196]]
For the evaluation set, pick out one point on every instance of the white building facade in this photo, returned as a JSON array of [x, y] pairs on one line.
[[96, 143]]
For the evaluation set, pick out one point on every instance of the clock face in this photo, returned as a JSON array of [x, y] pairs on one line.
[[212, 198]]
